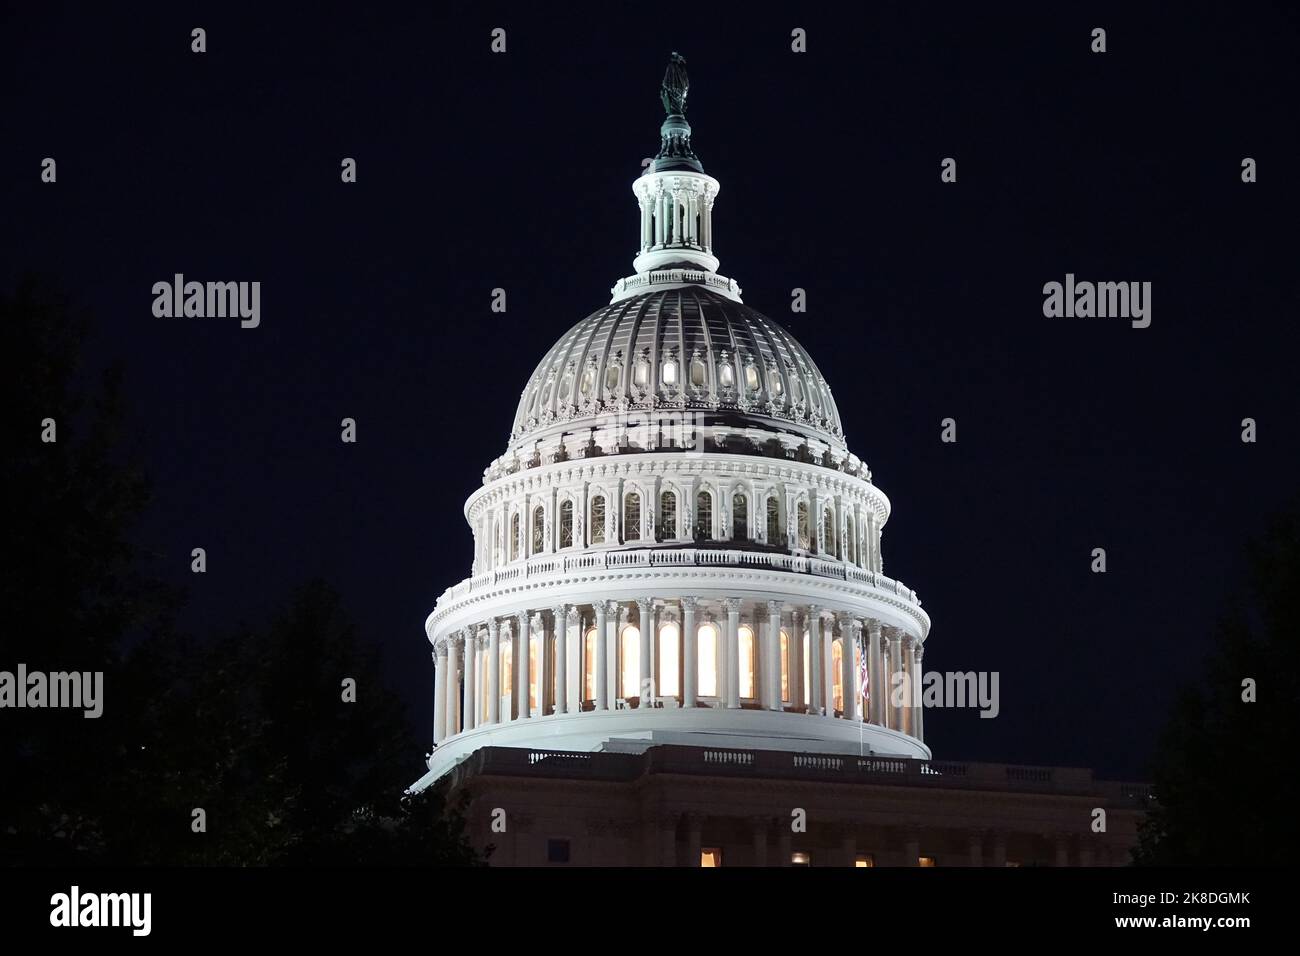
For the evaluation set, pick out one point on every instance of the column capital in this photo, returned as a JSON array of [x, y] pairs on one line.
[[439, 651], [690, 603], [611, 607], [918, 649], [561, 613], [454, 640], [873, 628], [524, 618], [493, 627], [814, 612], [732, 605], [775, 607], [645, 604]]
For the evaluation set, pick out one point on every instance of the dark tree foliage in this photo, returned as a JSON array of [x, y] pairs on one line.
[[252, 728], [1225, 795]]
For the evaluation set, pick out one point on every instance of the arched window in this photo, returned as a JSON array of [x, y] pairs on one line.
[[703, 515], [707, 650], [785, 666], [631, 516], [669, 660], [566, 524], [539, 529], [629, 682], [740, 516], [514, 536], [747, 662], [805, 541], [667, 516], [850, 544], [828, 532], [597, 523], [589, 665], [774, 535]]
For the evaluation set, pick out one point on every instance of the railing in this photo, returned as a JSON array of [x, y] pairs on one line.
[[677, 557], [901, 771]]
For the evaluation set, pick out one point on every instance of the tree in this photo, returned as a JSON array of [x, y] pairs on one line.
[[1224, 794]]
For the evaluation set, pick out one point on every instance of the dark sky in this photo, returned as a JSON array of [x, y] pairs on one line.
[[925, 300]]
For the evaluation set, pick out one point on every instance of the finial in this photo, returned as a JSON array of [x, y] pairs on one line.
[[675, 134], [675, 86]]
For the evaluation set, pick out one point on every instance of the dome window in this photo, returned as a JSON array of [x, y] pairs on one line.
[[641, 375], [774, 535], [566, 387], [611, 376], [588, 382], [740, 517], [514, 536], [726, 376], [632, 516], [699, 375], [539, 529], [751, 378], [598, 520], [669, 373], [667, 516], [546, 397], [566, 524], [774, 382], [703, 516], [796, 390]]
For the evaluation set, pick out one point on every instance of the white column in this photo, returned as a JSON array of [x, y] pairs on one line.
[[773, 655], [613, 651], [918, 704], [545, 677], [645, 606], [602, 671], [494, 671], [874, 675], [896, 667], [453, 685], [733, 652], [828, 672], [560, 624], [690, 654], [521, 673], [815, 678], [849, 673], [471, 679], [439, 693], [797, 703]]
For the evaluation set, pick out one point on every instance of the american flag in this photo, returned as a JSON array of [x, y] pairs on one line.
[[864, 676]]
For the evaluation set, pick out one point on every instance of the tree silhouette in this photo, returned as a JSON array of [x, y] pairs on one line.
[[1224, 795]]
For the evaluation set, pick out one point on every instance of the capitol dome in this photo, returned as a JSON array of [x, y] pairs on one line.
[[677, 546]]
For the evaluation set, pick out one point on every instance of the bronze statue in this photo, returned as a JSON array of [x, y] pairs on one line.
[[675, 85]]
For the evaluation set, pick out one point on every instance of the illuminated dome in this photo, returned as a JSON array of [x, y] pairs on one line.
[[689, 348], [677, 545]]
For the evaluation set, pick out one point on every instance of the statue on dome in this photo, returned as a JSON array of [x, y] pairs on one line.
[[675, 85]]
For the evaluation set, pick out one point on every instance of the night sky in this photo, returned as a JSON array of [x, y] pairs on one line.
[[479, 171]]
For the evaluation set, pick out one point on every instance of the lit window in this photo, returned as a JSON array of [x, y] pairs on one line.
[[588, 380], [534, 672], [630, 665], [704, 515], [837, 675], [796, 389], [670, 372], [611, 377], [740, 517], [566, 387], [711, 856], [546, 397], [785, 666], [864, 859], [707, 648], [774, 382], [747, 661], [641, 374], [507, 685], [589, 665], [631, 516], [925, 861], [539, 528], [726, 377], [669, 656], [667, 516], [598, 519], [566, 524], [751, 378], [799, 858]]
